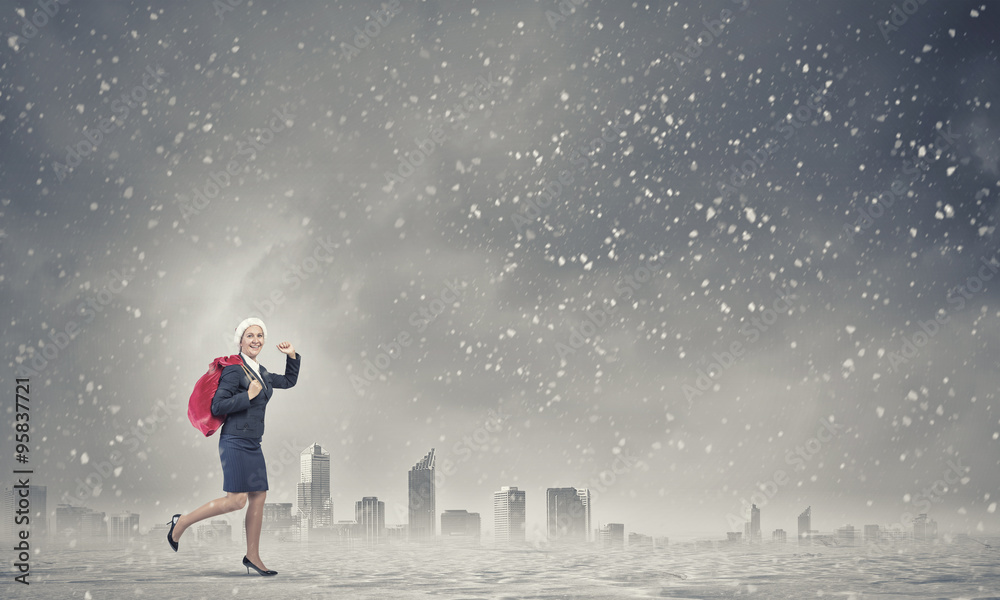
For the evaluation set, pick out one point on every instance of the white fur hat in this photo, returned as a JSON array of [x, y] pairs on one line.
[[242, 327]]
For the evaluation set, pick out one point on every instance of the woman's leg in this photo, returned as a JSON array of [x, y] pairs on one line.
[[255, 519], [232, 501]]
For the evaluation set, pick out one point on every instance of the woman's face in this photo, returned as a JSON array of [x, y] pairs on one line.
[[252, 341]]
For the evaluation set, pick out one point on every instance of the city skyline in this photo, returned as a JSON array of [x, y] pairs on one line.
[[568, 507], [581, 251]]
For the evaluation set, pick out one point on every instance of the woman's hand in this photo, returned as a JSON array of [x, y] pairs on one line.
[[254, 389], [287, 348]]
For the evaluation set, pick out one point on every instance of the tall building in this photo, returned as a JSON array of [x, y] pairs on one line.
[[805, 526], [755, 535], [81, 524], [847, 535], [586, 501], [37, 512], [460, 523], [565, 515], [613, 536], [924, 528], [314, 501], [123, 527], [422, 501], [871, 534], [279, 523], [369, 513], [508, 515], [217, 531], [9, 508]]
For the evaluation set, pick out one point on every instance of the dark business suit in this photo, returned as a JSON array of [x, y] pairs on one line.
[[243, 465]]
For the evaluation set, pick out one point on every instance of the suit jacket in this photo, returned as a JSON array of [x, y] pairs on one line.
[[245, 415]]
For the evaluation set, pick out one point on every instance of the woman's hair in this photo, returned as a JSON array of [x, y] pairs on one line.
[[244, 324]]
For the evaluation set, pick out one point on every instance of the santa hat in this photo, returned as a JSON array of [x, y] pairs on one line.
[[242, 327]]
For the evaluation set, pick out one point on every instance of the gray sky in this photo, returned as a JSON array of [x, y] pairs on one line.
[[586, 321]]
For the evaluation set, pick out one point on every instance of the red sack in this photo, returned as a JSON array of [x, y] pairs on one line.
[[200, 403]]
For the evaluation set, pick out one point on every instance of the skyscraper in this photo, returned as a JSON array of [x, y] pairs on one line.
[[369, 513], [422, 501], [755, 535], [34, 506], [565, 515], [613, 536], [805, 526], [460, 523], [585, 500], [314, 502], [508, 515], [124, 527]]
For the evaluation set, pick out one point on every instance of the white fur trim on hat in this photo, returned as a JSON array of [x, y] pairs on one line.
[[242, 327]]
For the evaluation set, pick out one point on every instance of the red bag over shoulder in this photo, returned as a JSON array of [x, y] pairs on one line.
[[200, 403]]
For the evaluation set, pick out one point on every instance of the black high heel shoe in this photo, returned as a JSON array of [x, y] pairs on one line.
[[170, 538], [248, 565]]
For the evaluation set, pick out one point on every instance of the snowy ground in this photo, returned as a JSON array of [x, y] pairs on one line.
[[961, 570]]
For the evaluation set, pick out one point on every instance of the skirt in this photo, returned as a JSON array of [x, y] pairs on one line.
[[243, 468]]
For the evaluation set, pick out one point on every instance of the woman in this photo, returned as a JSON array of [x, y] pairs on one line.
[[242, 397]]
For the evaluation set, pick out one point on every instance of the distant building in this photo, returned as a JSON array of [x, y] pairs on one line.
[[370, 516], [313, 500], [508, 515], [924, 528], [217, 532], [36, 504], [805, 526], [585, 500], [612, 536], [460, 523], [422, 501], [661, 542], [566, 518], [779, 536], [124, 528], [755, 536], [871, 534], [734, 537], [847, 535], [80, 524], [279, 523], [638, 540]]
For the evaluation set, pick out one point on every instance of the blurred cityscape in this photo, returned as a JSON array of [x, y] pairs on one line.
[[567, 515]]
